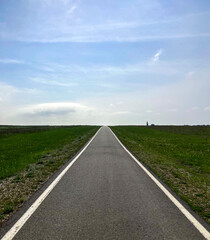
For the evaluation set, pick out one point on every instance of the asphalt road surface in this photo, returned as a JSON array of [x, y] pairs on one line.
[[106, 195]]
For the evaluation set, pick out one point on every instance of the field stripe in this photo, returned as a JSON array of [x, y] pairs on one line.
[[187, 214], [19, 224]]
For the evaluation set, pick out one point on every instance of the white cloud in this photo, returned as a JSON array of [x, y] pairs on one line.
[[157, 55], [11, 61], [58, 113], [151, 105], [47, 109]]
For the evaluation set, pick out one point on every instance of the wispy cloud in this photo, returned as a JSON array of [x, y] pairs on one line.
[[48, 69], [157, 55], [173, 110], [207, 108], [98, 38], [150, 105], [101, 70], [132, 54], [49, 27], [71, 9], [192, 109], [121, 112], [6, 91], [65, 1], [11, 61], [53, 82], [190, 74]]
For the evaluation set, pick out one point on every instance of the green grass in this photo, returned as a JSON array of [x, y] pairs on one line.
[[8, 208], [29, 156], [19, 150], [180, 156]]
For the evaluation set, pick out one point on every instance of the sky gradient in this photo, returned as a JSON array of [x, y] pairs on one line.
[[104, 62]]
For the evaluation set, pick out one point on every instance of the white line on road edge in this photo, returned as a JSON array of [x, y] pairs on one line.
[[187, 214], [18, 225]]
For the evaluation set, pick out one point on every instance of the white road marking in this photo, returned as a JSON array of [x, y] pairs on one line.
[[19, 224], [187, 214]]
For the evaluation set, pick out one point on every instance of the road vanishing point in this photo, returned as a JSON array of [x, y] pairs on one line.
[[104, 193]]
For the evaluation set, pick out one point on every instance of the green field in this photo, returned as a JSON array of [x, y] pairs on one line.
[[179, 155], [25, 146], [29, 155]]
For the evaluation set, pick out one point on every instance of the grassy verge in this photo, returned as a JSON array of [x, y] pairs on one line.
[[20, 149], [28, 159], [180, 156]]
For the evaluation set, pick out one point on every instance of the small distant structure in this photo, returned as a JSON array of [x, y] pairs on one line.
[[152, 124]]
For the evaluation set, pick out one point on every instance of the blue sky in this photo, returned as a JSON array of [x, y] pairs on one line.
[[104, 62]]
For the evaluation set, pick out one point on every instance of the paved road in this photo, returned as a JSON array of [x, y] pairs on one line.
[[106, 195]]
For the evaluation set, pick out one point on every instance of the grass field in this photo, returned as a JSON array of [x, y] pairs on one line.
[[27, 146], [29, 156], [179, 155]]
